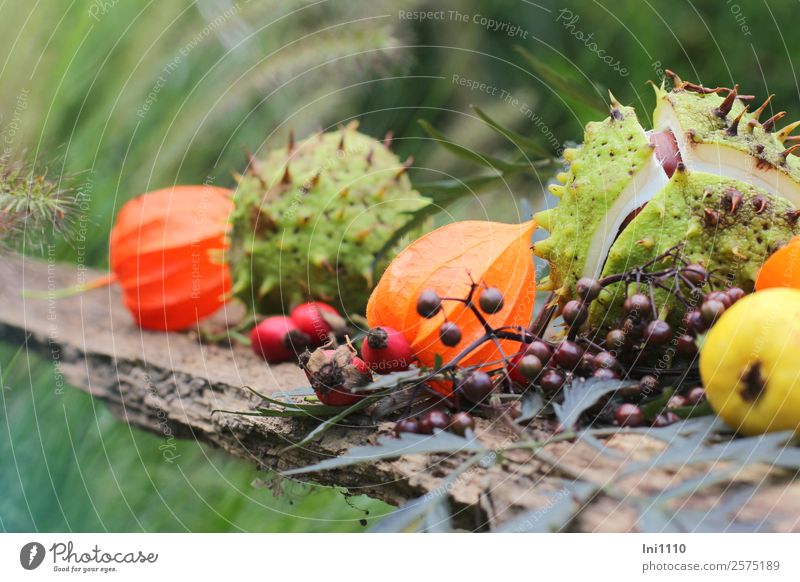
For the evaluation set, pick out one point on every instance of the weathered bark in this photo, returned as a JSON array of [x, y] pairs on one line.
[[169, 383]]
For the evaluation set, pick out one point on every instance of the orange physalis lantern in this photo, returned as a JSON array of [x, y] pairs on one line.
[[166, 254], [782, 269], [447, 260]]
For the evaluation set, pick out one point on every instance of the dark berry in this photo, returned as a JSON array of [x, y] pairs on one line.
[[551, 381], [574, 313], [429, 303], [406, 425], [735, 293], [587, 363], [695, 274], [615, 339], [588, 288], [693, 322], [649, 385], [491, 300], [711, 311], [720, 296], [606, 360], [605, 374], [541, 350], [629, 415], [433, 419], [450, 334], [529, 366], [657, 333], [665, 419], [632, 330], [696, 395], [461, 423], [686, 347], [631, 393], [568, 355], [477, 386], [637, 306]]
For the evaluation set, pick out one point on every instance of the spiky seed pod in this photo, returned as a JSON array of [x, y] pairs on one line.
[[309, 219], [729, 200]]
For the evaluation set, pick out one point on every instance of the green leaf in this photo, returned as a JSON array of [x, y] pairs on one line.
[[723, 516], [449, 190], [771, 449], [532, 404], [390, 447], [525, 144], [693, 411], [469, 155], [566, 84], [581, 395], [392, 380], [654, 407], [410, 517], [700, 428], [334, 419], [599, 445]]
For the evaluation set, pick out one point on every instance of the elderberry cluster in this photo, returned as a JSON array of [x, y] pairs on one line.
[[624, 350]]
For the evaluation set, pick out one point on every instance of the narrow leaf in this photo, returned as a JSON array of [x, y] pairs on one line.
[[581, 395], [472, 156], [389, 447], [566, 84], [523, 143]]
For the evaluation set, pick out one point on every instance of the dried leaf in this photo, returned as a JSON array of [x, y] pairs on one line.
[[390, 447], [581, 395]]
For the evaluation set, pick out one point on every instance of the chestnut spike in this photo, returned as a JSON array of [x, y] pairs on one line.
[[710, 217], [252, 163], [287, 176], [731, 200], [784, 133], [387, 141], [290, 144], [340, 147], [757, 113], [733, 129], [769, 124], [677, 82], [760, 203], [789, 151], [695, 88], [370, 155], [615, 107], [727, 103], [404, 169]]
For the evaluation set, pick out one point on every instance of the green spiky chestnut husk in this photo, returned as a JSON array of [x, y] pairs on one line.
[[732, 201], [309, 219]]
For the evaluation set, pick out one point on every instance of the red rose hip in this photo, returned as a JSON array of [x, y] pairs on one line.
[[278, 339], [386, 350]]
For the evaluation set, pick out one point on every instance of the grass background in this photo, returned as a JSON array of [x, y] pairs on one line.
[[125, 97]]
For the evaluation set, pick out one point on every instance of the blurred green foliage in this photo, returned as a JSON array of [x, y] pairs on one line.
[[124, 97]]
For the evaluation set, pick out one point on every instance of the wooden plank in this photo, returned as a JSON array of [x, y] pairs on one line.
[[169, 383]]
